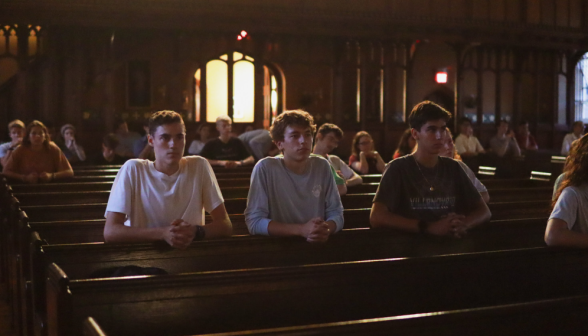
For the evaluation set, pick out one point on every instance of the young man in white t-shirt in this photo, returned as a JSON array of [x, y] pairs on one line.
[[164, 199], [327, 139]]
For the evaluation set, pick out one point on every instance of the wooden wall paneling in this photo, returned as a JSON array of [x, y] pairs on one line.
[[514, 10], [576, 12], [482, 57], [459, 9], [498, 82], [533, 9], [480, 9], [562, 16], [506, 95], [498, 10], [548, 12]]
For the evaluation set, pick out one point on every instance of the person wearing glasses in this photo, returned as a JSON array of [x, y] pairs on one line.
[[364, 159]]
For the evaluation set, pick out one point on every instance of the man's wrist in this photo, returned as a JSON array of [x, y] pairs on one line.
[[423, 226], [200, 233]]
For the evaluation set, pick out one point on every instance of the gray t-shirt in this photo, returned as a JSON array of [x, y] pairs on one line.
[[258, 142], [572, 208], [557, 184], [276, 193], [4, 149]]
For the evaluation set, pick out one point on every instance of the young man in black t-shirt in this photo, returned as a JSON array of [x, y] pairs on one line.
[[424, 192], [225, 150]]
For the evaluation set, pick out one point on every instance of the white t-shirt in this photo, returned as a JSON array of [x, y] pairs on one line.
[[151, 198], [464, 144], [572, 208], [196, 147], [567, 143], [4, 149], [338, 164], [472, 176]]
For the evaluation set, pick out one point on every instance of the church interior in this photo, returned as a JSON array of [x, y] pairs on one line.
[[361, 65]]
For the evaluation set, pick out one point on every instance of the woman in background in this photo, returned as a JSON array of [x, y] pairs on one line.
[[406, 145], [70, 148], [37, 159], [364, 159]]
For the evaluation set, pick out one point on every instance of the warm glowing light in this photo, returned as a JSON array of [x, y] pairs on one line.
[[217, 90], [224, 57], [237, 56], [243, 33], [243, 91], [441, 77], [197, 94], [239, 37]]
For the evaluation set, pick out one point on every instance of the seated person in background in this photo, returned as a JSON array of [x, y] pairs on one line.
[[568, 222], [466, 144], [259, 143], [450, 152], [141, 148], [126, 139], [38, 159], [108, 155], [73, 151], [426, 193], [16, 129], [327, 139], [504, 144], [164, 199], [524, 138], [294, 194], [577, 132], [405, 145], [364, 159], [225, 150], [203, 133]]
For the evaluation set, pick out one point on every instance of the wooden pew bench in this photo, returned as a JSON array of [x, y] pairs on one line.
[[561, 316], [299, 295]]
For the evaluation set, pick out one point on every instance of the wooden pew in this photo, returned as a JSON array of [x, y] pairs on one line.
[[299, 295], [561, 316]]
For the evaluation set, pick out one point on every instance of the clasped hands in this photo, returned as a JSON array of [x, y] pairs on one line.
[[451, 224], [316, 230], [179, 234], [34, 177]]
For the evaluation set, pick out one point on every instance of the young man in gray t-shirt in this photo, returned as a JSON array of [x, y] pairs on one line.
[[294, 194]]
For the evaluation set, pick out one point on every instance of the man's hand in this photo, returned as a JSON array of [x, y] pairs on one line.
[[45, 177], [230, 164], [179, 234], [510, 134], [315, 230], [31, 178], [450, 225], [16, 142], [340, 173]]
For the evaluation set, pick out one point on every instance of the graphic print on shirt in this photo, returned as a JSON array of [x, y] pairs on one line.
[[432, 203], [316, 191]]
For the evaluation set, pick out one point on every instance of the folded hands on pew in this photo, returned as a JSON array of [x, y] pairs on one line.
[[179, 234], [450, 225]]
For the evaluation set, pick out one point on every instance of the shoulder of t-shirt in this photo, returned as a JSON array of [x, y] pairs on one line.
[[449, 162], [268, 162], [335, 158], [236, 139], [53, 146], [135, 165]]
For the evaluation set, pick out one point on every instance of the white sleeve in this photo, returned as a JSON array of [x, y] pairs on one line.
[[459, 145], [257, 211], [479, 147], [565, 147], [344, 168], [566, 207], [472, 176], [121, 194], [4, 149], [195, 148], [211, 193]]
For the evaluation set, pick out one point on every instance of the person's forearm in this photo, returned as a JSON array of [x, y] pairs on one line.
[[332, 227], [481, 214], [14, 175], [380, 217], [282, 229], [126, 234], [4, 159], [565, 237], [380, 164], [219, 228], [354, 180], [80, 153], [216, 162], [362, 165], [248, 161], [342, 189], [63, 174]]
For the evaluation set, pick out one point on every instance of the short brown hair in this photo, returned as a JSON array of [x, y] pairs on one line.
[[162, 118], [330, 128], [36, 123], [16, 123], [293, 117], [426, 111]]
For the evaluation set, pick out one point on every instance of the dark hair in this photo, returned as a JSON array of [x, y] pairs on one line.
[[162, 118], [110, 141], [502, 121], [355, 142], [426, 111], [199, 129], [464, 120], [36, 123], [328, 128], [577, 122], [576, 167], [118, 121], [403, 148], [523, 122], [294, 117]]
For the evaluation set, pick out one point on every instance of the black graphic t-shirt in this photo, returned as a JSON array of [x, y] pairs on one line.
[[406, 192], [234, 150]]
